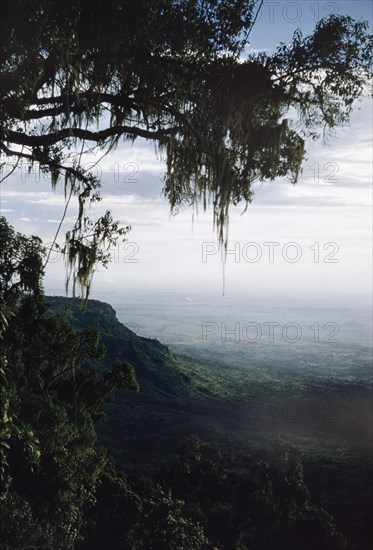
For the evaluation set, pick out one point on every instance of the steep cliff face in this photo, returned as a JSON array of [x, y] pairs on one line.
[[154, 362], [174, 393]]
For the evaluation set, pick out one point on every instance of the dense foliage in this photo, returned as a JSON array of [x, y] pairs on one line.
[[175, 72], [76, 75], [61, 490], [261, 503], [50, 406]]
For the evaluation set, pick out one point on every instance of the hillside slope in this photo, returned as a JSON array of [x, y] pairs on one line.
[[241, 406], [174, 393]]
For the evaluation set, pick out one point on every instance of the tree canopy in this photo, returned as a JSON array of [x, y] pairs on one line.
[[75, 76], [50, 405]]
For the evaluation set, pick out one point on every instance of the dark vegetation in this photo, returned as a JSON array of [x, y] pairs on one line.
[[75, 78], [138, 484]]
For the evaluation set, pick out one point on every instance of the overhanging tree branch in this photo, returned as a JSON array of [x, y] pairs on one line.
[[52, 138], [171, 72]]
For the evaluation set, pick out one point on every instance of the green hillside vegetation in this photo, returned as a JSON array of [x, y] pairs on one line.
[[69, 480], [242, 408], [248, 403]]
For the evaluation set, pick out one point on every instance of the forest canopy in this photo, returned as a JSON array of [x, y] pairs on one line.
[[77, 77]]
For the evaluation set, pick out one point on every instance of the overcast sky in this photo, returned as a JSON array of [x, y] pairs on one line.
[[311, 238]]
